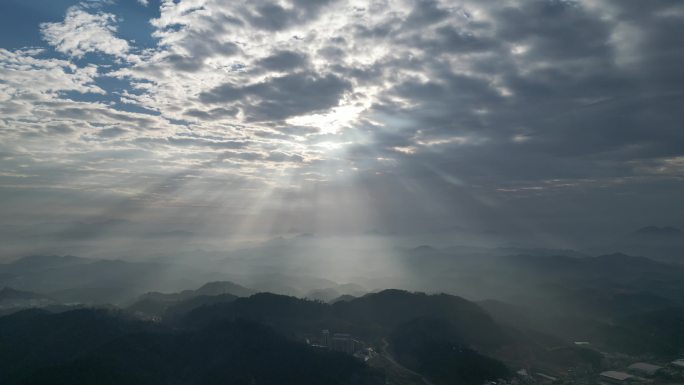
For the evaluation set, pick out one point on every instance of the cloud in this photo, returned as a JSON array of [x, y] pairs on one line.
[[273, 16], [482, 104], [46, 76], [283, 61], [281, 97], [82, 32]]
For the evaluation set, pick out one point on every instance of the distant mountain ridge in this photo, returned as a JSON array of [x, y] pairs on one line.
[[11, 298], [331, 293], [210, 288], [44, 262], [663, 243], [664, 231], [155, 304], [82, 280]]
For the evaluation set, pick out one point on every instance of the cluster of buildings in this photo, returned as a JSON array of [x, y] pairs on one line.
[[523, 377], [342, 342], [638, 373], [644, 372]]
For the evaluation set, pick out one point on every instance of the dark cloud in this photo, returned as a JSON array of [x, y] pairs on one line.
[[283, 61], [282, 157], [199, 48], [271, 17], [331, 53], [212, 114], [282, 97], [563, 102], [112, 132], [274, 17], [555, 30], [425, 12]]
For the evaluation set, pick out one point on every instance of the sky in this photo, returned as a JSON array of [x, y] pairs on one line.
[[177, 122]]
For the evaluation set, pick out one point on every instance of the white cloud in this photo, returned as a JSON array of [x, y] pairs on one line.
[[82, 32], [47, 76]]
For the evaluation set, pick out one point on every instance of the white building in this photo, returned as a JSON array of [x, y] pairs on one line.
[[614, 377], [644, 368], [679, 364]]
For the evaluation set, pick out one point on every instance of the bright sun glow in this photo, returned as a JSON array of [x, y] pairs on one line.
[[330, 122]]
